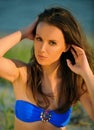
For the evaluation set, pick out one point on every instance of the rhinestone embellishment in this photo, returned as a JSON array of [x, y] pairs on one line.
[[45, 116]]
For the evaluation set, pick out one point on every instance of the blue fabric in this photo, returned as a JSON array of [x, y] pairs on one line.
[[29, 112]]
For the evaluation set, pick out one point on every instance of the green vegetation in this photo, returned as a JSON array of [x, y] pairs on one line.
[[21, 51], [6, 108]]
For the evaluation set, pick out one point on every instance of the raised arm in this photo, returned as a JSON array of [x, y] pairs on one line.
[[8, 69], [82, 68]]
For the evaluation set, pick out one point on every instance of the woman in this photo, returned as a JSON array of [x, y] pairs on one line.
[[58, 75]]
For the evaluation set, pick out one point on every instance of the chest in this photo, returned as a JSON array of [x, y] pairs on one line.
[[28, 112]]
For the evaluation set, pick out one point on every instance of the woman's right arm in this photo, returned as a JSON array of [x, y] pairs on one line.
[[8, 69], [9, 41]]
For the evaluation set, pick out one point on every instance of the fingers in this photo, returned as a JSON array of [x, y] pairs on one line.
[[76, 51], [69, 62], [79, 50], [31, 30], [70, 65], [32, 27], [34, 23]]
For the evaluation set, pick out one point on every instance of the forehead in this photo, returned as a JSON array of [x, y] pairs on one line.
[[47, 30]]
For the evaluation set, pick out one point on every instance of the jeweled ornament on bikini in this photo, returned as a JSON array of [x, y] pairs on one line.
[[45, 116]]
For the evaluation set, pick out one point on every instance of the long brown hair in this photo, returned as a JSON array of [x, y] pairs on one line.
[[72, 84]]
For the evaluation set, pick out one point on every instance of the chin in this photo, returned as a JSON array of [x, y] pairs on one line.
[[43, 64]]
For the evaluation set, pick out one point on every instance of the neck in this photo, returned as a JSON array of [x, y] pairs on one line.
[[50, 70], [51, 78]]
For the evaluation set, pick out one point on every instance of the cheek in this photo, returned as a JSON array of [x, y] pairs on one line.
[[35, 50], [55, 54], [36, 47]]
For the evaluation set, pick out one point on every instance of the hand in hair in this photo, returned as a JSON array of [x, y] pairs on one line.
[[29, 32], [81, 65]]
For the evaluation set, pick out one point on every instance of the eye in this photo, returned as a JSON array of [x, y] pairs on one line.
[[52, 43], [38, 38]]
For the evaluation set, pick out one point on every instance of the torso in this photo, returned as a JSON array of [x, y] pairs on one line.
[[19, 125], [22, 93]]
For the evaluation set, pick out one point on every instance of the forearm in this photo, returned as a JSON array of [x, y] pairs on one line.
[[9, 41], [89, 81]]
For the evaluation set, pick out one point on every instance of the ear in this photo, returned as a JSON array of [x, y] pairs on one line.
[[67, 48]]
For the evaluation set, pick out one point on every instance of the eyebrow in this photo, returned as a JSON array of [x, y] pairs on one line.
[[37, 34], [49, 39]]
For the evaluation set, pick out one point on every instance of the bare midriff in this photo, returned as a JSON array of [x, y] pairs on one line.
[[39, 125]]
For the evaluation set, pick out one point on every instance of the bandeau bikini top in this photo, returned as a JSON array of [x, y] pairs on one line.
[[28, 112]]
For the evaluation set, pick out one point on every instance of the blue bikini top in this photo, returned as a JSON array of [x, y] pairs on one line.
[[29, 112]]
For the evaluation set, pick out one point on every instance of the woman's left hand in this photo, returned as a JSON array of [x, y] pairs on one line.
[[81, 65]]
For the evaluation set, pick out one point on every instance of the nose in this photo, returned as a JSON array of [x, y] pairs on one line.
[[43, 47]]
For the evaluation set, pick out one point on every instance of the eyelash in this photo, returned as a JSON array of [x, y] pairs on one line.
[[52, 43], [38, 38]]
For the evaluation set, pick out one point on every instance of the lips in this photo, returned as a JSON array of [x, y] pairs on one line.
[[41, 57]]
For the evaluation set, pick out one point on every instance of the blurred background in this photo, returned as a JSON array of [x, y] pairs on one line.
[[16, 14]]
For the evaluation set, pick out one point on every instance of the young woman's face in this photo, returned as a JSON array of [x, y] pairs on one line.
[[49, 44]]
